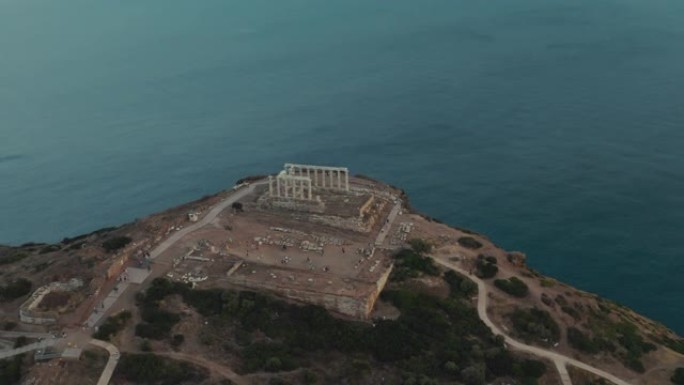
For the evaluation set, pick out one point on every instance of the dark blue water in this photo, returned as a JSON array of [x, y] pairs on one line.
[[555, 127]]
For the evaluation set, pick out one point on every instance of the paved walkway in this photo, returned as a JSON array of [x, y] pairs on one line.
[[559, 360], [388, 224], [27, 348], [114, 355], [106, 303]]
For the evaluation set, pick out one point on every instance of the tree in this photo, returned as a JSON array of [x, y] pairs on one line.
[[473, 375], [116, 243], [420, 246]]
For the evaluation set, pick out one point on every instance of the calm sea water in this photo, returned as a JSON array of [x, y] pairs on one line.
[[554, 127]]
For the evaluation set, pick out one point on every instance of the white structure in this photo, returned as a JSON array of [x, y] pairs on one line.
[[336, 178], [296, 181]]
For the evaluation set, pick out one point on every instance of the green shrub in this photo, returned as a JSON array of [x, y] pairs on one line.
[[572, 312], [49, 249], [15, 289], [420, 246], [485, 267], [459, 285], [513, 286], [112, 326], [469, 243], [145, 346], [116, 243], [9, 325], [10, 370], [177, 340], [309, 377], [635, 364], [581, 341], [14, 257], [409, 264], [148, 368], [678, 376], [535, 324], [530, 369]]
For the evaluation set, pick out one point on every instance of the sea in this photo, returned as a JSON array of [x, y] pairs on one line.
[[555, 127]]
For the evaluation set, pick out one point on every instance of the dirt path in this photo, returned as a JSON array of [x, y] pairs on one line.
[[559, 360], [212, 366]]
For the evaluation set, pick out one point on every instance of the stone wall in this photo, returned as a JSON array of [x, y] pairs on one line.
[[379, 285], [359, 306]]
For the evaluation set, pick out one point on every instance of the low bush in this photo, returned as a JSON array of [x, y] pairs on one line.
[[420, 246], [410, 264], [15, 289], [459, 285], [580, 341], [572, 312], [469, 243], [535, 324], [112, 326], [148, 368], [486, 267], [513, 286], [9, 325], [10, 370], [49, 249], [678, 376], [116, 243], [531, 369], [13, 257]]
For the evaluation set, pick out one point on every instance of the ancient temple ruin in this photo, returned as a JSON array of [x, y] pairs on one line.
[[296, 181]]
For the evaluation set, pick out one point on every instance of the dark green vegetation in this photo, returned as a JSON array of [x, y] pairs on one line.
[[535, 325], [469, 243], [621, 338], [583, 342], [486, 267], [13, 256], [10, 370], [9, 325], [81, 237], [676, 345], [678, 376], [151, 369], [420, 246], [15, 289], [411, 263], [459, 285], [112, 326], [513, 286], [434, 339], [157, 323], [116, 243], [50, 249]]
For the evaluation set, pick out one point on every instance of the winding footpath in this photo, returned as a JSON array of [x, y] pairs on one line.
[[559, 360], [211, 365], [114, 355]]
